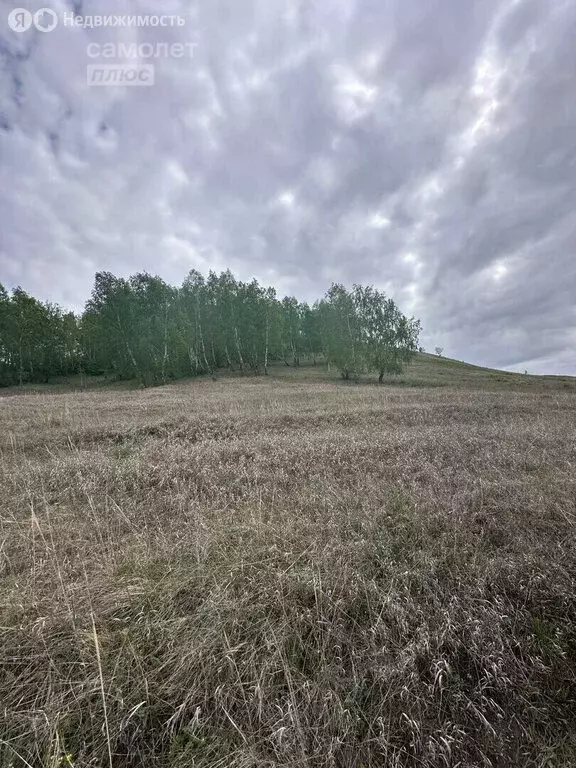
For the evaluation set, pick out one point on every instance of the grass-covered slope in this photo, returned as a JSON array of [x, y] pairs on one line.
[[445, 371], [290, 571], [425, 371]]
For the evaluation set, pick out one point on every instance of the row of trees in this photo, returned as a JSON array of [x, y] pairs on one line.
[[144, 328], [37, 340]]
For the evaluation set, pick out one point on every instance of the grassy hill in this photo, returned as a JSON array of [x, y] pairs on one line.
[[290, 571], [425, 371], [434, 369]]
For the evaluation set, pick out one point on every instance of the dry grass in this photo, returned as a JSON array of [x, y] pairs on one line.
[[288, 572]]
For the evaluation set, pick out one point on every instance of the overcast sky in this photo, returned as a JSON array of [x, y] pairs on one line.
[[425, 146]]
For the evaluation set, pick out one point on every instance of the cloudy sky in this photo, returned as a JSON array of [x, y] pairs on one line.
[[425, 146]]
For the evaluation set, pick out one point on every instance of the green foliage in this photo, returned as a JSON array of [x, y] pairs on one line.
[[363, 330], [37, 341], [142, 328], [341, 332]]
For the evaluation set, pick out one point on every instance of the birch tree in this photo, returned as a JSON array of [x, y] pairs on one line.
[[389, 339], [341, 333]]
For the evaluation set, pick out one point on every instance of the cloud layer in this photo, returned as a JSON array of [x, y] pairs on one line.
[[427, 147]]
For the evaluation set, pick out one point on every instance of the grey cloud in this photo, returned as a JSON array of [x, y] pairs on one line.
[[428, 147]]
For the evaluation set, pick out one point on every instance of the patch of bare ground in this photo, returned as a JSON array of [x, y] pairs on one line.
[[271, 572]]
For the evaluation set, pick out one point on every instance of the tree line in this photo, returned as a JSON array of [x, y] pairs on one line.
[[142, 328]]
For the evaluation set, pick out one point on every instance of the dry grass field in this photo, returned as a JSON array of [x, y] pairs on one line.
[[290, 571]]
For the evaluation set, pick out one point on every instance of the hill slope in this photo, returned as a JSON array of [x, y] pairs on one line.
[[433, 371], [431, 368], [425, 371]]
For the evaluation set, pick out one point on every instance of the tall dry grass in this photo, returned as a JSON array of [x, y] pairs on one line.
[[255, 573]]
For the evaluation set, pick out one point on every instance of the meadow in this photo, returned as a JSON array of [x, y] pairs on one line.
[[290, 570]]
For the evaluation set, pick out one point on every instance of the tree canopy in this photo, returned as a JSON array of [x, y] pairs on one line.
[[142, 328]]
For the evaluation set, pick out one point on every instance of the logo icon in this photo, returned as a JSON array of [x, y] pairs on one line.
[[45, 20], [20, 20]]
